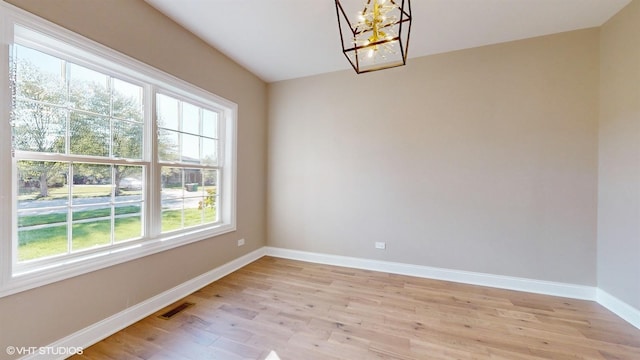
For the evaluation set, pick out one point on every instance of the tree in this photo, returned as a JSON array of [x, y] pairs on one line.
[[40, 125], [127, 137], [209, 200], [100, 119], [125, 131]]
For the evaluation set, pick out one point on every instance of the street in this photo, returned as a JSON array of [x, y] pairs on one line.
[[171, 200]]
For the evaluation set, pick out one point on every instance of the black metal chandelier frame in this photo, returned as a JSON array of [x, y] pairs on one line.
[[403, 21]]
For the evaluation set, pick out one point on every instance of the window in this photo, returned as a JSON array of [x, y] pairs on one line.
[[90, 126], [110, 159], [188, 152]]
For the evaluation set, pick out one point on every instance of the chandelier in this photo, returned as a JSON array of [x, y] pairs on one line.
[[379, 37]]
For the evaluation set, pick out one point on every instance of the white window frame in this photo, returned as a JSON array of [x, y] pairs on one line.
[[15, 277]]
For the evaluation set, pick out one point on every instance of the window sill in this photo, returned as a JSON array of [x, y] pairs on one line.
[[36, 276]]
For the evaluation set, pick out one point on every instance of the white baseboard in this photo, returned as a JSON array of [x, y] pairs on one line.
[[582, 292], [102, 329], [619, 307], [497, 281]]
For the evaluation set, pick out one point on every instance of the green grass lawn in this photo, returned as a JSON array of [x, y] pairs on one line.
[[192, 217], [79, 191], [49, 241], [31, 220]]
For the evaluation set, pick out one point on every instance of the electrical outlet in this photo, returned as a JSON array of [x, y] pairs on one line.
[[381, 245], [241, 242]]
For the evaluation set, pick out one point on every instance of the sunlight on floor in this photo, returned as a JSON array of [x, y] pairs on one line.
[[272, 356]]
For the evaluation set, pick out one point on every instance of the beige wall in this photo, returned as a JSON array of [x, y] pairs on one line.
[[482, 160], [43, 315], [619, 157]]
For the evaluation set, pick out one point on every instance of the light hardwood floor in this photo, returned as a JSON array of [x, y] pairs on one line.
[[303, 311]]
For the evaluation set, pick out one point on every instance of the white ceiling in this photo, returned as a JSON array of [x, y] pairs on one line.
[[285, 39]]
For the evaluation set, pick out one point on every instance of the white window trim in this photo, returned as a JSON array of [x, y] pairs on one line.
[[121, 64]]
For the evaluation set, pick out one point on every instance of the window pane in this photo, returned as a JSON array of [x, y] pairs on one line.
[[196, 200], [189, 197], [209, 123], [172, 218], [36, 242], [172, 195], [128, 183], [41, 218], [127, 139], [127, 100], [43, 196], [168, 149], [172, 182], [128, 224], [209, 151], [91, 227], [89, 134], [167, 109], [192, 182], [89, 90], [39, 76], [42, 184], [91, 184], [210, 180], [193, 211], [39, 127], [193, 197], [190, 149], [210, 214], [128, 211], [190, 118]]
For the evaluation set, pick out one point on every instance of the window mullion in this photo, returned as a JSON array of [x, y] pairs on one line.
[[32, 155], [110, 86], [67, 83], [222, 135], [70, 209], [153, 189]]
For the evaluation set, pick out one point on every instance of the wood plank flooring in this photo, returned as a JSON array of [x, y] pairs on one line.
[[283, 309]]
